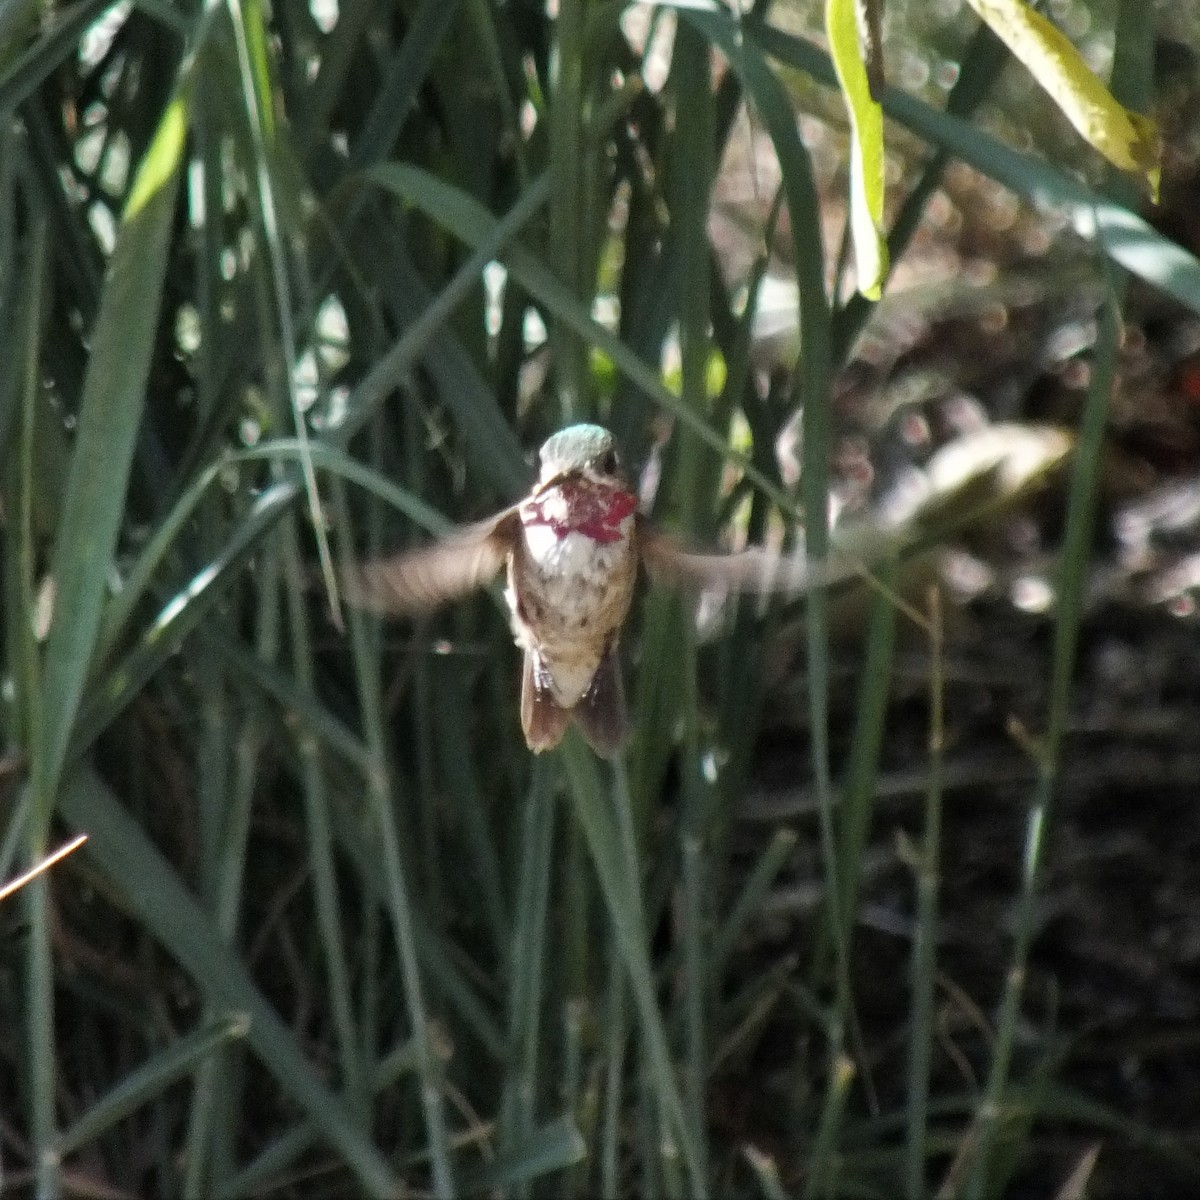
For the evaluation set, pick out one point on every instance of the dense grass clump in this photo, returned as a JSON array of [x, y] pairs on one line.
[[282, 287]]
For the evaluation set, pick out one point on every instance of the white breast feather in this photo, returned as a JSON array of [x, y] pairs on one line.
[[575, 571]]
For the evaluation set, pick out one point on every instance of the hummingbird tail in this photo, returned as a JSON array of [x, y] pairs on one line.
[[600, 714], [543, 719]]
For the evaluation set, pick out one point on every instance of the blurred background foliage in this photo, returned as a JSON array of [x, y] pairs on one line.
[[892, 893]]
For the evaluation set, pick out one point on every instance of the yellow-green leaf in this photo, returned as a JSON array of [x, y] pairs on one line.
[[866, 148], [1127, 139], [161, 161], [254, 24]]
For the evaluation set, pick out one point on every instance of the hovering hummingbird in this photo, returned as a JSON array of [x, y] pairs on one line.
[[571, 549]]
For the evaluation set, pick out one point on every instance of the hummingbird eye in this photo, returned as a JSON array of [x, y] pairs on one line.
[[609, 462]]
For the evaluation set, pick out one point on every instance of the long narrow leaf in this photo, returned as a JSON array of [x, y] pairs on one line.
[[113, 396], [154, 893], [866, 148], [1125, 138], [183, 612], [1118, 231]]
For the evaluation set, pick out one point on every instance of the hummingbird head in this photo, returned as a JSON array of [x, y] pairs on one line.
[[583, 451], [581, 489]]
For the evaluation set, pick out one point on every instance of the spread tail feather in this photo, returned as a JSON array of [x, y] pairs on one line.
[[543, 719], [600, 713]]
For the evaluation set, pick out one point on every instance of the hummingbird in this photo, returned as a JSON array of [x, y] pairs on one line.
[[571, 549]]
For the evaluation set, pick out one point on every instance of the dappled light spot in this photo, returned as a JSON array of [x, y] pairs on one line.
[[1032, 594], [325, 14], [103, 225]]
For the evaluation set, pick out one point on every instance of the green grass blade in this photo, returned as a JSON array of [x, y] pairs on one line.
[[277, 203], [496, 455], [262, 1171], [614, 858], [1072, 575], [554, 1147], [858, 791], [569, 197], [22, 77], [451, 706], [318, 826], [153, 892], [254, 671], [30, 819], [1122, 234], [113, 394], [164, 539], [979, 68], [615, 1070], [185, 611], [397, 893], [472, 223], [696, 477], [402, 81], [823, 1159], [150, 1080], [1071, 580], [765, 1172], [223, 834], [750, 898], [923, 962], [866, 147], [527, 966]]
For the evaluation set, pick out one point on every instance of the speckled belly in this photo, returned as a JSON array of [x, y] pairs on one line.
[[569, 594]]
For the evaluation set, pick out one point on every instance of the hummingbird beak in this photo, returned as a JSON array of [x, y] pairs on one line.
[[570, 475], [584, 474], [555, 479]]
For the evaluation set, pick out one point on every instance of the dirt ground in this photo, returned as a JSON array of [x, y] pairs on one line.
[[999, 329]]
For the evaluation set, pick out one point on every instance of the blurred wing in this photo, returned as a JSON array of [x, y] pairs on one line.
[[418, 580], [754, 570]]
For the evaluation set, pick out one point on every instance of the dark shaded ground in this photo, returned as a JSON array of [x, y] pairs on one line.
[[1112, 1012], [1113, 998]]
